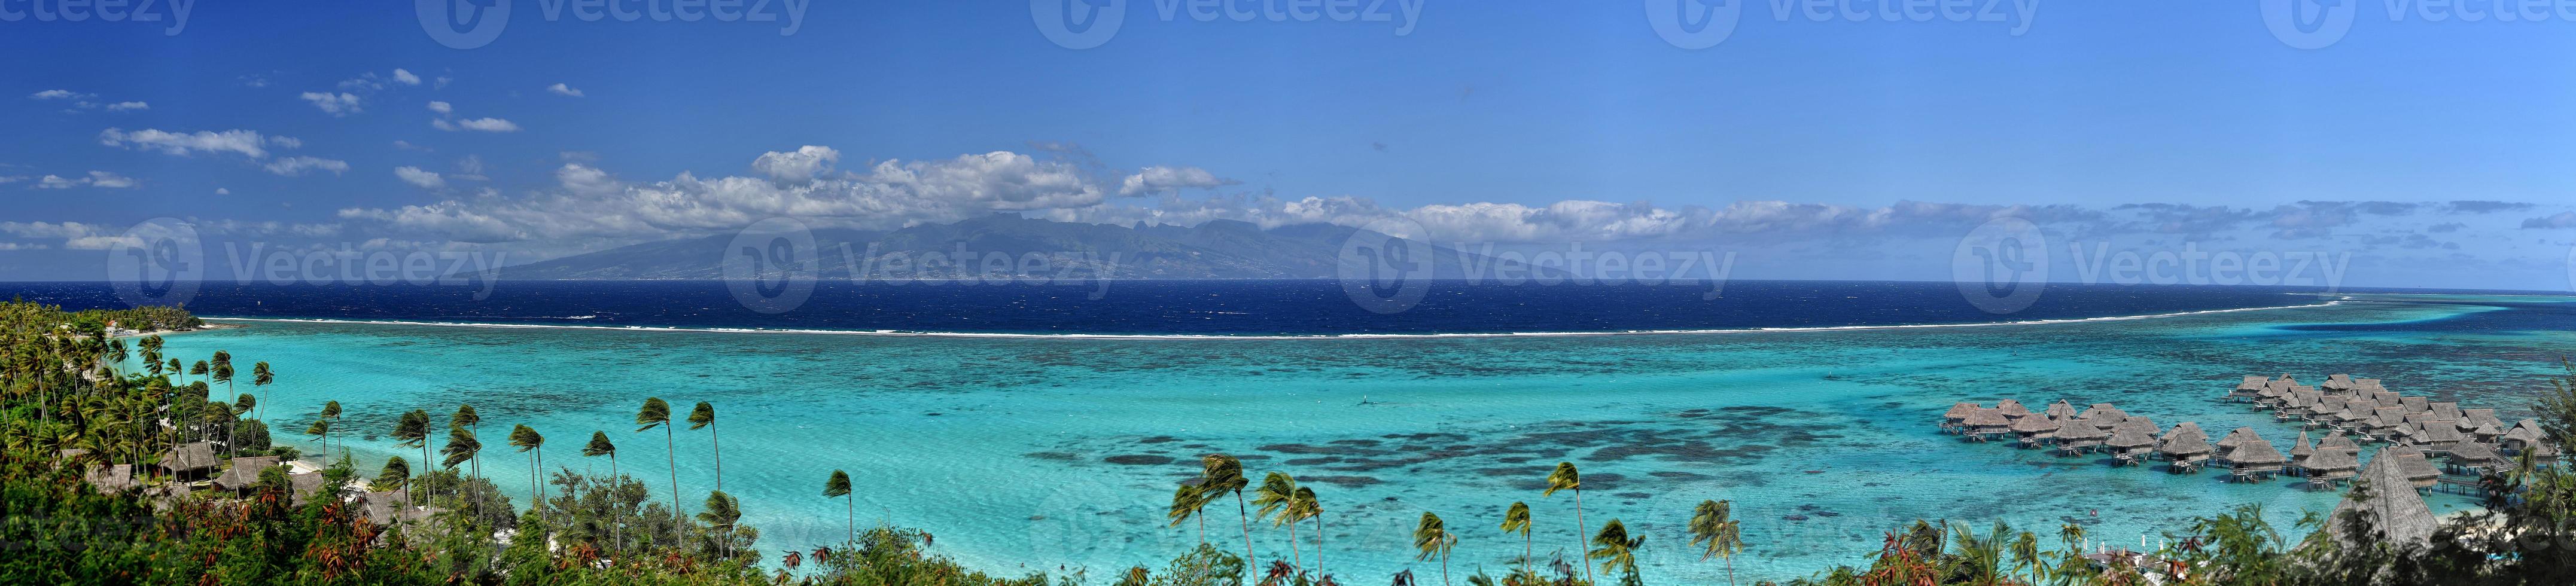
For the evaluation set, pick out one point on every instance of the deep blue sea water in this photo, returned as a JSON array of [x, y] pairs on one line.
[[1234, 308], [1033, 452]]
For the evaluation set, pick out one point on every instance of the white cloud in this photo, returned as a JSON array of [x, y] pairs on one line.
[[1169, 179], [75, 235], [797, 167], [56, 182], [442, 107], [405, 77], [99, 179], [564, 90], [59, 95], [19, 246], [223, 191], [7, 179], [420, 178], [476, 124], [298, 166], [286, 142], [128, 106], [341, 104]]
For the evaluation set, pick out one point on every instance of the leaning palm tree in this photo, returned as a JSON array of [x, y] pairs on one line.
[[599, 446], [839, 487], [321, 429], [330, 410], [1306, 507], [1567, 478], [1220, 474], [1277, 492], [260, 377], [1187, 502], [1711, 526], [721, 512], [705, 416], [461, 447], [1431, 538], [1517, 520], [1615, 548], [2025, 554], [396, 472], [657, 413], [528, 441], [412, 430]]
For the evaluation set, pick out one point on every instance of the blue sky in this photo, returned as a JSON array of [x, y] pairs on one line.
[[1822, 149]]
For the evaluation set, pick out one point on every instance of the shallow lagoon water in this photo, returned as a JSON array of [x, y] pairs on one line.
[[1060, 451]]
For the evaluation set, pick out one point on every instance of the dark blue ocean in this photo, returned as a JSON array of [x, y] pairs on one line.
[[1287, 307]]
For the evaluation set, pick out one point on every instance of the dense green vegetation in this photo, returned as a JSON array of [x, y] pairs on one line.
[[71, 405]]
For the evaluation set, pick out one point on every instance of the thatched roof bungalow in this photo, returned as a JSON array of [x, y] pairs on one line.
[[2012, 409], [2186, 451], [2324, 467], [2060, 410], [2419, 470], [2255, 459], [2131, 444], [2397, 516], [111, 478], [190, 461], [1987, 422], [2078, 434], [2473, 458], [244, 473]]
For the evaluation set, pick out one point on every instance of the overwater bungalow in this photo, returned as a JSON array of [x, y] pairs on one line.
[[2012, 409], [2385, 421], [2104, 412], [2401, 515], [2487, 433], [2075, 436], [2336, 383], [2061, 410], [2474, 418], [2523, 436], [2245, 390], [2416, 404], [2300, 449], [2324, 467], [2255, 459], [2035, 431], [2437, 436], [1986, 424], [2297, 407], [2137, 421], [1958, 414], [190, 461], [2131, 444], [2445, 411], [2182, 428], [2187, 451], [2419, 470], [244, 473], [2227, 445], [2367, 385], [2473, 458], [2335, 440]]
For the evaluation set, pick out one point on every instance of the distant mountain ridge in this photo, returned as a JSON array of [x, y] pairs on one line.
[[1221, 249]]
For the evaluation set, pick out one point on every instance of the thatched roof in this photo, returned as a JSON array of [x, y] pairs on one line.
[[2393, 507], [2130, 437], [109, 478], [383, 508], [245, 472], [2336, 440], [2416, 404], [194, 457], [2012, 408], [2256, 452], [2179, 428], [2081, 429], [2417, 468], [2061, 410], [2238, 436], [2475, 454], [2437, 432], [2034, 425], [1960, 410], [1987, 418], [2482, 417], [2330, 463], [2185, 446], [2103, 411], [2252, 382], [2447, 411], [2300, 448]]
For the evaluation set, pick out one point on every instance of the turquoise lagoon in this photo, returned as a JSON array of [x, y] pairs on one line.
[[1059, 454]]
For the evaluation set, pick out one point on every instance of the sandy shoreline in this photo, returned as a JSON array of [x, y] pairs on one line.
[[210, 326]]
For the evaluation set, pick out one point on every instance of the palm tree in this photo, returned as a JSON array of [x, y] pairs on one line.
[[232, 427], [1517, 520], [1723, 536], [599, 446], [657, 413], [705, 416], [1431, 538], [2025, 553], [412, 430], [528, 441], [396, 472], [223, 373], [1187, 502], [1567, 478], [200, 368], [1220, 474], [466, 418], [1306, 507], [461, 448], [1616, 548], [321, 428], [1278, 491], [839, 487], [720, 513], [260, 377], [330, 411]]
